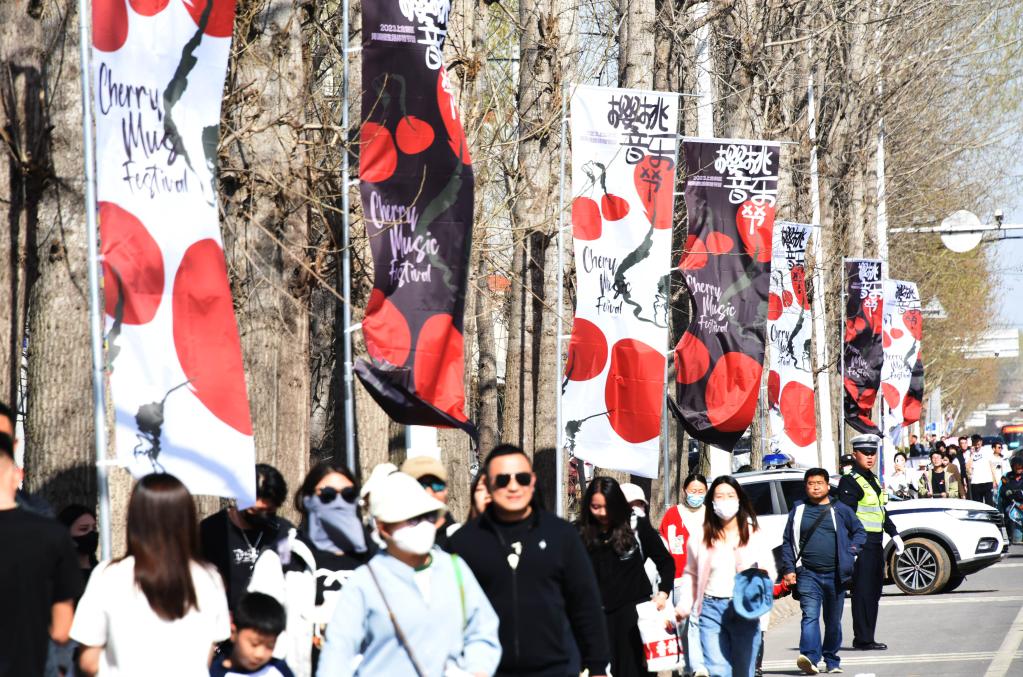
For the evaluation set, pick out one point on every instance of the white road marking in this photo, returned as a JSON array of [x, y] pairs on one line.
[[1008, 650], [879, 658], [945, 599], [1007, 565]]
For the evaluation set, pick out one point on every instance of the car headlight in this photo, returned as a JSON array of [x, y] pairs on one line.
[[974, 515]]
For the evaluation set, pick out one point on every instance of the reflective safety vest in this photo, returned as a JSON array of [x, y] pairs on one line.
[[870, 509]]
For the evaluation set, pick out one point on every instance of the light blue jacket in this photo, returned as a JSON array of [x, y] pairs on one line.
[[437, 631]]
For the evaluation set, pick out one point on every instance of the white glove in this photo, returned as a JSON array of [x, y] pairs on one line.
[[900, 546]]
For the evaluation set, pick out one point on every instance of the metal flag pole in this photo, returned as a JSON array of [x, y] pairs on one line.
[[559, 456], [346, 255], [95, 307], [882, 251], [841, 360], [665, 443]]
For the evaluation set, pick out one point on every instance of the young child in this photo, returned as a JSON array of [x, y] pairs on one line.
[[258, 620]]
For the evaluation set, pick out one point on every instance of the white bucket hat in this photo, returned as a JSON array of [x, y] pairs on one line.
[[633, 492], [399, 497]]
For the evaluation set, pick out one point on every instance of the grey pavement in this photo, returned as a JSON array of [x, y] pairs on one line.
[[975, 631]]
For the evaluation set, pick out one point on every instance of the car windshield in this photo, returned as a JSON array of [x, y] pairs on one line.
[[760, 496]]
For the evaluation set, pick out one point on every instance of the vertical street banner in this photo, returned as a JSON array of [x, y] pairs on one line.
[[862, 352], [902, 375], [624, 147], [416, 182], [790, 377], [174, 358], [731, 190]]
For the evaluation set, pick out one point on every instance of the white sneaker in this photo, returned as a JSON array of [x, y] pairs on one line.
[[806, 665], [701, 673]]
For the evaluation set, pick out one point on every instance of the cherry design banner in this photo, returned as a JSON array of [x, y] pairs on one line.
[[417, 196], [175, 363], [790, 377], [731, 189], [862, 353], [902, 375], [624, 148]]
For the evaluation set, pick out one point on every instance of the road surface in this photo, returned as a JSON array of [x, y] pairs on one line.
[[975, 631]]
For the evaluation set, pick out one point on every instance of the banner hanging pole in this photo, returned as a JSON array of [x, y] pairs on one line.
[[559, 456], [841, 358], [95, 309], [346, 255]]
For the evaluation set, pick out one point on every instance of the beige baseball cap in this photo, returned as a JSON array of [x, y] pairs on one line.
[[421, 466]]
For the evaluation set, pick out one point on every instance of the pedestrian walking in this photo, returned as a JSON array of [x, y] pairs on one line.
[[956, 460], [861, 491], [915, 448], [982, 472], [938, 482], [432, 476], [537, 575], [480, 497], [158, 611], [256, 622], [81, 523], [619, 544], [413, 609], [731, 543], [821, 540], [1010, 498], [900, 482]]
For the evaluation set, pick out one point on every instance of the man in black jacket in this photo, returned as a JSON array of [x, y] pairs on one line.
[[535, 571]]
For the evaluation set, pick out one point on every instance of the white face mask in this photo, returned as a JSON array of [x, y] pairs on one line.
[[727, 508], [416, 540], [639, 512]]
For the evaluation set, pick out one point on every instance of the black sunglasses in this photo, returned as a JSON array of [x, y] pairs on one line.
[[502, 480], [328, 494], [868, 453]]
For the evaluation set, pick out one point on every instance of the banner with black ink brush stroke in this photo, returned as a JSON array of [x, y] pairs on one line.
[[902, 376], [862, 352]]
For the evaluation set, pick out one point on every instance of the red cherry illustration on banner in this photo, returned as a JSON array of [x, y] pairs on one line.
[[614, 208], [586, 223], [109, 24], [910, 409], [786, 298], [732, 390], [221, 21], [897, 333], [692, 359], [452, 120], [206, 335], [587, 351], [387, 334], [377, 157], [886, 340], [798, 413], [773, 388], [695, 255], [148, 7], [866, 420], [438, 367], [773, 306], [798, 275], [853, 326], [719, 243], [866, 398], [851, 387], [891, 395], [129, 249], [756, 224], [655, 182], [634, 390], [914, 323], [413, 135]]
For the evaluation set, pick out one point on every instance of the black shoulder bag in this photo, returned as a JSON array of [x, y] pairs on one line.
[[805, 538]]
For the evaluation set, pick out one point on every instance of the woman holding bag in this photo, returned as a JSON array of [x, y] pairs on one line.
[[618, 554], [731, 544]]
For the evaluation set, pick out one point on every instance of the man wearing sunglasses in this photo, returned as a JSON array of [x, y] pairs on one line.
[[534, 569], [432, 476], [861, 491]]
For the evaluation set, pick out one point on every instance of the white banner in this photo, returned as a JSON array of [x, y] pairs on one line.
[[624, 155], [789, 322], [902, 328], [175, 360]]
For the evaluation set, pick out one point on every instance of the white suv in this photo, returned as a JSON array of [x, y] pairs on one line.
[[946, 538]]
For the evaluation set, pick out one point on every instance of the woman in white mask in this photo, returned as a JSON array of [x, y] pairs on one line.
[[731, 542], [413, 609]]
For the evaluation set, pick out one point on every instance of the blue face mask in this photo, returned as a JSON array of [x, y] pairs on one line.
[[695, 500]]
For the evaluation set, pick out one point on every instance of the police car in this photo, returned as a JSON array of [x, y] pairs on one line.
[[946, 539]]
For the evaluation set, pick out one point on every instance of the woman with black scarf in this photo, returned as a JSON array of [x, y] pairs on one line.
[[618, 553]]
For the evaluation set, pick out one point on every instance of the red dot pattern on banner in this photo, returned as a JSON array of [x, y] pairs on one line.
[[438, 365], [129, 249], [206, 335], [886, 340], [897, 333], [798, 413], [149, 7], [388, 338], [910, 409], [692, 359], [654, 178], [866, 399], [109, 24], [732, 390], [413, 135], [614, 208], [756, 238], [853, 326], [773, 388], [914, 323], [221, 21], [891, 395], [452, 120], [586, 223], [773, 306], [634, 390], [787, 298], [851, 387], [587, 351], [377, 156], [695, 255], [719, 243], [798, 275]]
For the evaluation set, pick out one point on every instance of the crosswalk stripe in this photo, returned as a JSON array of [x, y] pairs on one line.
[[880, 658]]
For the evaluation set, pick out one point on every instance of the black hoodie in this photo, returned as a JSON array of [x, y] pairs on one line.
[[551, 588]]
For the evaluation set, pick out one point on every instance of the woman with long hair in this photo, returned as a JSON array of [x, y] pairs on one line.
[[479, 497], [159, 610], [618, 552], [731, 542]]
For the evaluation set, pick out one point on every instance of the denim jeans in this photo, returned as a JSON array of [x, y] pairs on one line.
[[820, 592], [728, 640], [691, 645]]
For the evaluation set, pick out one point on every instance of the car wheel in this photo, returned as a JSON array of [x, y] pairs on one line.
[[954, 582], [922, 569]]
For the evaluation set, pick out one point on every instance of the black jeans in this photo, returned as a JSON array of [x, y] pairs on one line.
[[982, 492]]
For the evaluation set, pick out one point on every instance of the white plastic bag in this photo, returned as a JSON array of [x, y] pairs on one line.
[[661, 646]]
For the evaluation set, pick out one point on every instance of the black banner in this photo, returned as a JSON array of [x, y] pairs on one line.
[[731, 189], [417, 197], [863, 353]]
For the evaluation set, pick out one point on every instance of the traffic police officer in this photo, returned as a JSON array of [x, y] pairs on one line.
[[862, 492]]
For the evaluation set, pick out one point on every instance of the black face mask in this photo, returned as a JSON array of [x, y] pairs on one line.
[[87, 543]]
